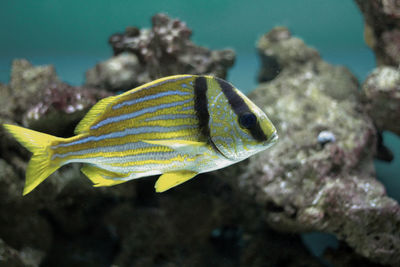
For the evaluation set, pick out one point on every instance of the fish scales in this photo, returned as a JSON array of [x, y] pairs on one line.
[[138, 111], [145, 124], [126, 136], [148, 164], [148, 100], [176, 126], [108, 152], [139, 162]]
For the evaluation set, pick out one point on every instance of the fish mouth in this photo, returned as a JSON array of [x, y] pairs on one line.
[[272, 139]]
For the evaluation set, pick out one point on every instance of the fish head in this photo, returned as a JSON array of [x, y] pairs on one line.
[[238, 127]]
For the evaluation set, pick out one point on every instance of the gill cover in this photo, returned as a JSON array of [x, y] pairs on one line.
[[238, 128], [222, 126]]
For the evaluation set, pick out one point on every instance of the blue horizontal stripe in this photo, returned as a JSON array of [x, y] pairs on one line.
[[138, 113], [165, 155], [105, 149], [127, 132], [149, 97], [171, 117]]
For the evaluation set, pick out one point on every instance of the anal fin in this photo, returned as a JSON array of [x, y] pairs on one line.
[[172, 179], [101, 177]]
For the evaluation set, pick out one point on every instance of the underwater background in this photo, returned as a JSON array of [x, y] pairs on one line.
[[73, 36]]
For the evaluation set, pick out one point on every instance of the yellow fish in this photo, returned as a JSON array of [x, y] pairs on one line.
[[176, 126]]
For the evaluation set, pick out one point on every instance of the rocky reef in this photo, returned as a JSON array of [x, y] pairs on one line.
[[382, 29], [381, 91], [307, 182], [143, 55], [278, 51], [37, 99], [207, 222], [382, 35], [318, 177]]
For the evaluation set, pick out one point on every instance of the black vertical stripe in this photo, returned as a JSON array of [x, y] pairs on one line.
[[240, 108], [201, 105]]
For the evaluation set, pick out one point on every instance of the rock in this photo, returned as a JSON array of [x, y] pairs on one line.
[[25, 258], [21, 226], [345, 256], [60, 107], [382, 29], [304, 186], [319, 177], [9, 256], [278, 50], [5, 108], [143, 55], [37, 99], [117, 73], [202, 223], [383, 153], [28, 79], [381, 92]]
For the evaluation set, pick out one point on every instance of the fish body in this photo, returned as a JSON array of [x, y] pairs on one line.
[[176, 126]]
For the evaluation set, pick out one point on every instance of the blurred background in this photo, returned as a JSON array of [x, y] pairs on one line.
[[73, 36]]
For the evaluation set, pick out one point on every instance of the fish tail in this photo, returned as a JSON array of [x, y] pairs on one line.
[[40, 166]]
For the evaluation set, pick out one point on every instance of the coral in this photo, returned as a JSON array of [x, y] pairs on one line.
[[12, 257], [142, 55], [381, 92], [22, 228], [27, 79], [5, 94], [117, 73], [205, 222], [60, 107], [37, 99], [318, 177], [345, 256], [279, 50], [304, 185], [382, 29]]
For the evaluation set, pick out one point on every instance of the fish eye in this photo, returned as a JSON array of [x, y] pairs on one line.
[[247, 120]]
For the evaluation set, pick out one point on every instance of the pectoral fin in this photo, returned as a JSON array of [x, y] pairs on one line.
[[101, 177], [183, 146], [171, 179]]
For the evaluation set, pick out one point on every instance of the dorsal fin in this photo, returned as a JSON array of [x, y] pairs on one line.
[[98, 109]]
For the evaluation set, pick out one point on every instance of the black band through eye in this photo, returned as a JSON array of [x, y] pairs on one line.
[[247, 120]]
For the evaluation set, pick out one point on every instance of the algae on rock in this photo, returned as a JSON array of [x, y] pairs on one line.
[[382, 29], [143, 55], [222, 218], [305, 185], [381, 92]]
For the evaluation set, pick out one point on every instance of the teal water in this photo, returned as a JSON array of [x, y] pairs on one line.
[[72, 35], [71, 66], [84, 26]]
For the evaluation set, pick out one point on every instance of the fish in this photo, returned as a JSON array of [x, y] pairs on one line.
[[176, 127]]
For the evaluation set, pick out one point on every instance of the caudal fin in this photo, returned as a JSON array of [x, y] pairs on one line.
[[40, 166]]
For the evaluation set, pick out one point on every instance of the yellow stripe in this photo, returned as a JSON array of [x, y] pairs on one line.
[[187, 134], [178, 158], [149, 103], [138, 93], [125, 153], [140, 120]]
